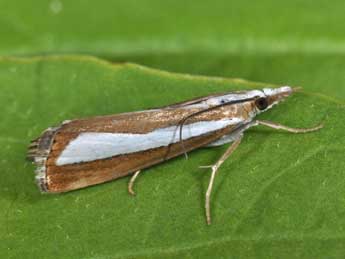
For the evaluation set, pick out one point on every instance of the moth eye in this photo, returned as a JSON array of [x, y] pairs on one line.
[[222, 101], [261, 103]]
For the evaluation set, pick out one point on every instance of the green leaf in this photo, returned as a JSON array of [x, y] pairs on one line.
[[316, 72], [279, 196]]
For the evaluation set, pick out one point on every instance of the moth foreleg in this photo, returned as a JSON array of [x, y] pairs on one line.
[[278, 126], [131, 182], [214, 169]]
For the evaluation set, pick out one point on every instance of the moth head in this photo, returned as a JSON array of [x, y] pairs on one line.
[[272, 96]]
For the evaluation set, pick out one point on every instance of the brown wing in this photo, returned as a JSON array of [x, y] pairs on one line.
[[199, 99], [192, 101], [48, 147]]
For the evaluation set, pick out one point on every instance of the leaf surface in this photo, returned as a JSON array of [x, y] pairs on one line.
[[279, 196]]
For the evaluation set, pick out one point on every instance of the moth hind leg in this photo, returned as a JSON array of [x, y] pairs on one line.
[[131, 182]]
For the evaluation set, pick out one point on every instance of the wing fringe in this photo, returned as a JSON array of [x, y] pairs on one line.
[[38, 152]]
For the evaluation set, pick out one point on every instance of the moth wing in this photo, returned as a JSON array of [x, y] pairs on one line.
[[76, 173], [191, 102]]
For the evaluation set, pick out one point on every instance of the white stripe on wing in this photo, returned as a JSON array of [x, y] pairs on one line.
[[90, 146]]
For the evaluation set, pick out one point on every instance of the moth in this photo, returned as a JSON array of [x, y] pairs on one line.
[[85, 152]]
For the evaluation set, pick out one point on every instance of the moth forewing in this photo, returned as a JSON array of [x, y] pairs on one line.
[[89, 151]]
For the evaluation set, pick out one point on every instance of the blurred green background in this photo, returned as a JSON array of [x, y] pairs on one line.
[[284, 42], [266, 207]]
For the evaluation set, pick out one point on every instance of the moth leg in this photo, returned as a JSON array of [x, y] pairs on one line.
[[275, 125], [214, 169], [131, 182], [223, 140]]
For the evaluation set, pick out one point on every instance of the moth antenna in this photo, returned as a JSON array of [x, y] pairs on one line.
[[182, 122]]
